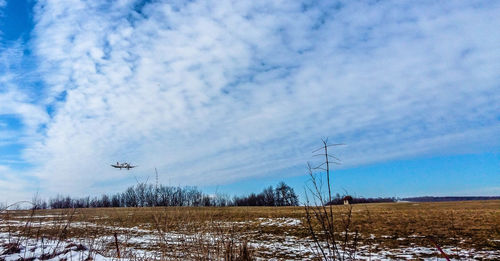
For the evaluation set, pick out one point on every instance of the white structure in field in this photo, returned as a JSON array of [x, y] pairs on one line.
[[347, 200]]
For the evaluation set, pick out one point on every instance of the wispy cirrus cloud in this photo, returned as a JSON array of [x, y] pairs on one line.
[[3, 3], [214, 92], [14, 97], [14, 188]]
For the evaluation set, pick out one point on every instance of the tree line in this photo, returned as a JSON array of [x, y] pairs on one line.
[[339, 200], [282, 195], [441, 199], [149, 195]]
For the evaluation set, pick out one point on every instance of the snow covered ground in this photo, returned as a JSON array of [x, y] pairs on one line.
[[142, 244], [17, 248]]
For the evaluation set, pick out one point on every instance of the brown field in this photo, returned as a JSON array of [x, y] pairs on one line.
[[464, 230]]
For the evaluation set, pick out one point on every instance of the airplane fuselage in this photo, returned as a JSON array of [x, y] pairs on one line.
[[122, 165]]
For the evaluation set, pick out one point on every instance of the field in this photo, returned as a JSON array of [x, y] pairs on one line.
[[463, 230]]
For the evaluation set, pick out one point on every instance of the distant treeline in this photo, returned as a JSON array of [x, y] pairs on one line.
[[149, 195], [282, 195], [441, 199], [339, 200]]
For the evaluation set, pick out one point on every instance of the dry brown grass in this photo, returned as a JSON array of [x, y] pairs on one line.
[[466, 225]]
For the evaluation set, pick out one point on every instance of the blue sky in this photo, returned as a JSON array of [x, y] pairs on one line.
[[232, 96]]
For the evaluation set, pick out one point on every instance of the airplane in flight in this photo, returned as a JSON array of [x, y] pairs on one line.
[[124, 165]]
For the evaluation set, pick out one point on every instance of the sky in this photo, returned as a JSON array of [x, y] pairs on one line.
[[233, 96]]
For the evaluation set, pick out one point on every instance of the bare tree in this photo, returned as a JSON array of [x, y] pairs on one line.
[[330, 244]]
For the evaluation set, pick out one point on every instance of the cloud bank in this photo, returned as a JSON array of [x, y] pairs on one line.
[[212, 92]]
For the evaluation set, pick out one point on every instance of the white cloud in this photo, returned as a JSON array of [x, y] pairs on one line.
[[13, 188], [3, 4], [212, 92], [14, 98], [3, 168]]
